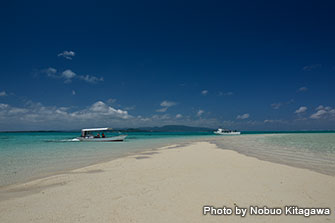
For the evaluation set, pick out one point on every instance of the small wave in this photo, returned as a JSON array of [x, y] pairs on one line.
[[71, 140], [64, 140]]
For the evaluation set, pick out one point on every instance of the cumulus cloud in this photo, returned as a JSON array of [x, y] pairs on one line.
[[311, 67], [3, 93], [300, 110], [36, 116], [204, 92], [321, 107], [67, 54], [323, 112], [244, 116], [165, 105], [302, 89], [68, 76], [36, 112], [319, 114], [200, 112], [50, 72], [103, 109]]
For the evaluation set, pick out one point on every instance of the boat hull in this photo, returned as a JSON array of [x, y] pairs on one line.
[[119, 138]]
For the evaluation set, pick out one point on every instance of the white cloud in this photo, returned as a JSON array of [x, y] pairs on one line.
[[300, 110], [165, 105], [168, 103], [276, 105], [204, 92], [50, 72], [311, 67], [200, 112], [302, 89], [98, 112], [68, 75], [17, 110], [91, 79], [67, 54], [319, 107], [3, 106], [244, 116], [3, 93], [319, 114], [164, 109], [323, 112], [36, 116], [105, 110]]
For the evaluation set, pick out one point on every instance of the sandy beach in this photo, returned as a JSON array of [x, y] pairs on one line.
[[170, 184]]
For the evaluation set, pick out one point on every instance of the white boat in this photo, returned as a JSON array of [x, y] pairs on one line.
[[226, 132], [87, 135]]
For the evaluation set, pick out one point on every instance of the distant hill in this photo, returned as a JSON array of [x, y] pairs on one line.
[[176, 128]]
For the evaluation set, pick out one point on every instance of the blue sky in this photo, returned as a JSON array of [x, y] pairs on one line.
[[245, 65]]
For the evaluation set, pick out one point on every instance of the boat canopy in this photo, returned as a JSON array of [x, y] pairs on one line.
[[96, 129]]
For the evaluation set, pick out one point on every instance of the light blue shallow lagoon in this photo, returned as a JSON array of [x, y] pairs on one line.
[[314, 151], [31, 155]]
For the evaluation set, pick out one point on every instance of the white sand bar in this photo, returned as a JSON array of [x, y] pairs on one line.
[[169, 185]]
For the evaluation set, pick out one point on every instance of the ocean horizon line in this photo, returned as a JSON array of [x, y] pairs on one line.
[[171, 131]]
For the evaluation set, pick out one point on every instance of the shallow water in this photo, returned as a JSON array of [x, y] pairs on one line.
[[315, 151], [26, 156]]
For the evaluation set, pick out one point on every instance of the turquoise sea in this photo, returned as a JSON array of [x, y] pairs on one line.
[[29, 155]]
